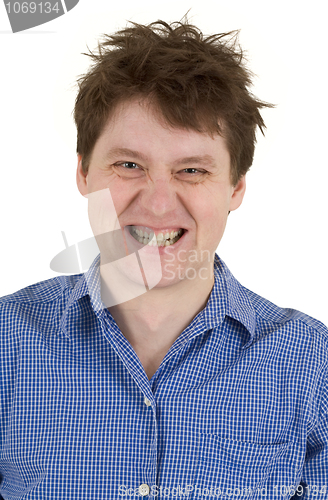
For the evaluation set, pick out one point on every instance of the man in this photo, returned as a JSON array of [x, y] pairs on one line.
[[156, 373]]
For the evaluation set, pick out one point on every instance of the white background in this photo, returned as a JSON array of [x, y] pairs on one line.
[[275, 243]]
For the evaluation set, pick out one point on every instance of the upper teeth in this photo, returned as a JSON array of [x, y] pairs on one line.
[[161, 239]]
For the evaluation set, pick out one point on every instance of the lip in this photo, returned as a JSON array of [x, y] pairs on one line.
[[136, 245]]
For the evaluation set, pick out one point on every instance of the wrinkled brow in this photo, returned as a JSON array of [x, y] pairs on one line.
[[206, 160]]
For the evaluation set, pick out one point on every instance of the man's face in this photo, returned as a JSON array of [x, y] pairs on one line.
[[173, 181]]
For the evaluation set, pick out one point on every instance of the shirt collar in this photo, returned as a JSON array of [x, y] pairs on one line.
[[87, 285], [233, 300], [227, 298]]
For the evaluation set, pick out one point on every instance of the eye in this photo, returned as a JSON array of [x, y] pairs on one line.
[[192, 171], [192, 174], [128, 169], [130, 165]]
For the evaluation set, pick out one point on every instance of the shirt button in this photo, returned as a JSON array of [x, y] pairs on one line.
[[147, 403], [144, 490]]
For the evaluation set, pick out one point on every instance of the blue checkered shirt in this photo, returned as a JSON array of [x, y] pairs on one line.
[[237, 409]]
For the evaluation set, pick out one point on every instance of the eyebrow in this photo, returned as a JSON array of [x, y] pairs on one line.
[[125, 151], [202, 159], [188, 160]]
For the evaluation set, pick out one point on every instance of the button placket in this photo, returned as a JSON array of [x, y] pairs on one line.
[[145, 489]]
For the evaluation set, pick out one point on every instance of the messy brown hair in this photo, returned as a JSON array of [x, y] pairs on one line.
[[196, 82]]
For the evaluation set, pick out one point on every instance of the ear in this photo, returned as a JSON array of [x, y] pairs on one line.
[[238, 192], [81, 177]]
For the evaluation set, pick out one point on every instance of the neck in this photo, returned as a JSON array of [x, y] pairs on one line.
[[152, 321], [154, 309]]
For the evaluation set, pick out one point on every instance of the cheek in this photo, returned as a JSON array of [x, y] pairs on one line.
[[212, 222], [102, 211], [210, 212], [120, 191], [122, 197]]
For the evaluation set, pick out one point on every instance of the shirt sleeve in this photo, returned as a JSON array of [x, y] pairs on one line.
[[9, 356], [314, 481]]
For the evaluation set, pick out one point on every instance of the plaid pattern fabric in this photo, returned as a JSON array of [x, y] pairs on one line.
[[237, 409]]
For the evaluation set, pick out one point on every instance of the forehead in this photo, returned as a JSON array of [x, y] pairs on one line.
[[137, 125]]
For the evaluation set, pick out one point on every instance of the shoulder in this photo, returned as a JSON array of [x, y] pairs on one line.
[[263, 318], [35, 307], [30, 315], [270, 312], [300, 330], [43, 292]]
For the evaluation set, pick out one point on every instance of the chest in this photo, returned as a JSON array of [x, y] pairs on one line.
[[207, 420]]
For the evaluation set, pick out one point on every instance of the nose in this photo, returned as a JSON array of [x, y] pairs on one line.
[[159, 197]]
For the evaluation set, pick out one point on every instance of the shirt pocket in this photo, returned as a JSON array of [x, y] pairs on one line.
[[234, 469]]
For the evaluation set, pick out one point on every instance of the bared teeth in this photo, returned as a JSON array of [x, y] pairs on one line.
[[157, 240]]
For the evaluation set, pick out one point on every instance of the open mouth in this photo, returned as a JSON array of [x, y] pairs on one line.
[[163, 238]]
